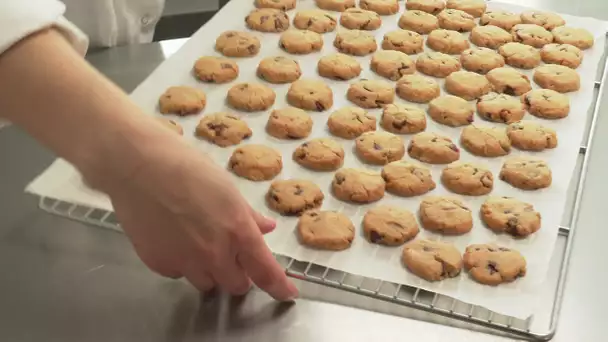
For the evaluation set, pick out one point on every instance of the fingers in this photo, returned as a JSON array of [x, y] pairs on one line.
[[265, 224], [201, 280]]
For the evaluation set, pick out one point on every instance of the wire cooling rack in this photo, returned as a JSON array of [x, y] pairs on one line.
[[534, 328]]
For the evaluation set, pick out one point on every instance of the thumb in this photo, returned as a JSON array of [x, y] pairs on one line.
[[265, 224]]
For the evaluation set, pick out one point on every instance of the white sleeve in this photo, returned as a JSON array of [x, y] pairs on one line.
[[20, 18]]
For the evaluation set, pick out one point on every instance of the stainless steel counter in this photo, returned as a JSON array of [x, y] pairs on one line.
[[64, 281]]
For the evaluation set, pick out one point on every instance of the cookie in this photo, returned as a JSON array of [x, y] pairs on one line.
[[237, 44], [562, 54], [223, 129], [532, 35], [447, 215], [473, 7], [491, 264], [360, 19], [557, 77], [451, 111], [433, 148], [335, 5], [321, 154], [418, 21], [289, 123], [170, 124], [485, 141], [467, 85], [520, 55], [546, 103], [315, 20], [403, 118], [481, 60], [310, 95], [250, 97], [256, 162], [509, 215], [417, 88], [490, 36], [388, 225], [358, 185], [379, 148], [294, 196], [329, 230], [301, 42], [215, 69], [531, 136], [437, 64], [447, 41], [392, 64], [547, 20], [467, 179], [430, 6], [500, 108], [526, 173], [338, 66], [279, 69], [382, 7], [407, 179], [456, 20], [578, 37], [284, 5], [405, 41], [509, 81], [350, 122], [371, 93], [355, 42], [267, 20], [503, 19], [432, 260], [182, 101]]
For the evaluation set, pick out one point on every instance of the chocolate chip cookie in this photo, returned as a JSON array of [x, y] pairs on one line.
[[457, 20], [490, 36], [418, 21], [467, 179], [223, 129], [532, 35], [360, 19], [433, 148], [310, 95], [557, 77], [546, 103], [473, 7], [358, 185], [301, 42], [407, 179], [509, 215], [279, 69], [371, 93], [417, 88], [250, 97], [467, 85], [382, 7], [320, 154], [432, 260], [215, 69], [578, 37], [481, 60], [350, 122], [355, 42], [392, 64], [447, 41], [526, 173], [437, 64], [500, 108], [447, 215], [430, 6], [520, 55], [335, 5], [294, 196], [403, 119], [315, 20], [182, 101], [338, 66], [531, 136], [237, 44], [256, 162], [329, 230], [406, 41], [491, 264], [562, 54], [379, 148], [284, 5], [509, 81], [547, 20], [503, 19], [451, 111], [388, 225], [289, 123], [267, 20], [485, 141]]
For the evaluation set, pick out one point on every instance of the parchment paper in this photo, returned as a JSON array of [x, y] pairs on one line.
[[517, 299]]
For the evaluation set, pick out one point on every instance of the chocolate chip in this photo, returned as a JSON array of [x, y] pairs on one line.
[[509, 90], [512, 223], [340, 179], [263, 19], [320, 106], [298, 191], [309, 23], [361, 98], [374, 236], [492, 267], [454, 148], [434, 140], [217, 128], [377, 147], [252, 48], [503, 249], [278, 24], [226, 66], [427, 248], [399, 124]]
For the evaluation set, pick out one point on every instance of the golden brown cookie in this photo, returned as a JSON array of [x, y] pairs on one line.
[[467, 179], [557, 77], [509, 215], [250, 97], [310, 95], [447, 215], [432, 260], [382, 7], [371, 93], [546, 103], [485, 141], [526, 173], [520, 55], [315, 20], [403, 119], [289, 123], [379, 148], [437, 64], [338, 66], [392, 64], [490, 36], [430, 6], [223, 129], [267, 20], [547, 20], [532, 35], [481, 60], [358, 185], [447, 41], [335, 5], [578, 37], [355, 42], [350, 122], [509, 81], [388, 225], [182, 101], [320, 154], [215, 69], [279, 69], [294, 196], [284, 5], [256, 162], [418, 21], [326, 230], [360, 19], [300, 42], [406, 41], [531, 136], [417, 88], [491, 264], [457, 20], [433, 148], [467, 85], [451, 111], [407, 179], [503, 19], [473, 7], [500, 108], [563, 54], [237, 44], [170, 124]]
